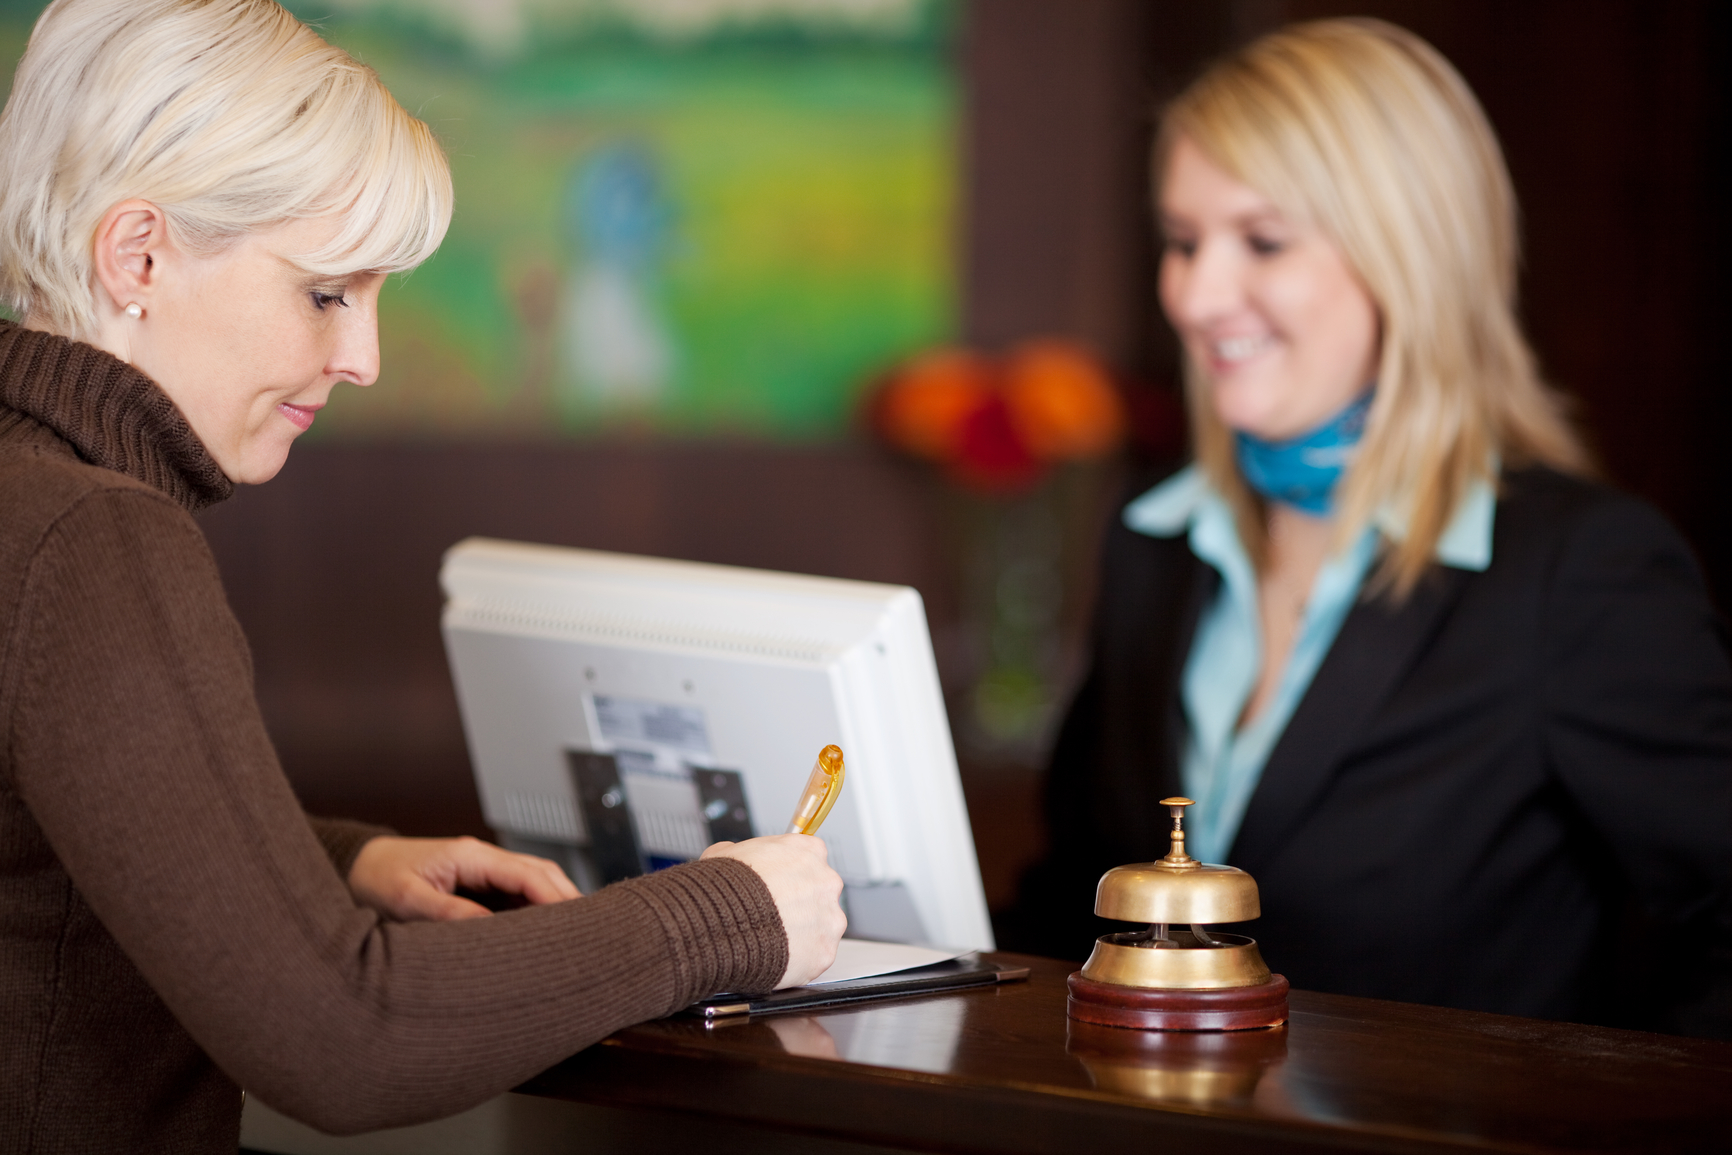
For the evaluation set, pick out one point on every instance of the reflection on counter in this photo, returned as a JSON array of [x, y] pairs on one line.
[[1201, 1068], [913, 1035], [1002, 1069]]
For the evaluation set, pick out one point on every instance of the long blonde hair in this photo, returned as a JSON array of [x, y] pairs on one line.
[[1363, 129], [230, 116]]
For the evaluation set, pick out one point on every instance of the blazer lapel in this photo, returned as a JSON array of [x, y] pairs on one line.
[[1377, 644], [1197, 590], [1149, 617]]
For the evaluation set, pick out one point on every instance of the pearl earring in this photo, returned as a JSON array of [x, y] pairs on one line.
[[135, 310]]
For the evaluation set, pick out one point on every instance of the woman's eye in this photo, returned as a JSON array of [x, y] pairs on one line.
[[1264, 246], [322, 301], [1180, 246]]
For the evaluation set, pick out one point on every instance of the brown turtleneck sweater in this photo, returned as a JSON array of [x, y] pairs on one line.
[[172, 927]]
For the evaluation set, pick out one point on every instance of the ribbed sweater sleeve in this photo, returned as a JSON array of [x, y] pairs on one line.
[[343, 838], [166, 806]]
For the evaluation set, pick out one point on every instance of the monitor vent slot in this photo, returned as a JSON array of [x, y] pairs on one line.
[[554, 818], [542, 816], [673, 835], [520, 618]]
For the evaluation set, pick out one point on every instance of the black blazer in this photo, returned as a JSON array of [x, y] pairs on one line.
[[1501, 794]]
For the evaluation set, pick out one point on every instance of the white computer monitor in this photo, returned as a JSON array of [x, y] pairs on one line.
[[623, 712]]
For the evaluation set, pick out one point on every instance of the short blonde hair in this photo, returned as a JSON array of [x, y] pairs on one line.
[[1363, 129], [229, 115]]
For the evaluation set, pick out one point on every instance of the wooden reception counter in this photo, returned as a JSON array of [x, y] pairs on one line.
[[1003, 1070]]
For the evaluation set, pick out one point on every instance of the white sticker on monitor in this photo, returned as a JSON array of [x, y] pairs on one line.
[[652, 737]]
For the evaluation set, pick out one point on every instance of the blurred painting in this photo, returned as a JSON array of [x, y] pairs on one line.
[[677, 216], [684, 217]]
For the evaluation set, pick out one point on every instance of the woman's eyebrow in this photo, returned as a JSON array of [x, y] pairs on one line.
[[310, 281], [1263, 215]]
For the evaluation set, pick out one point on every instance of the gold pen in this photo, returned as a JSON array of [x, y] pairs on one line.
[[822, 790]]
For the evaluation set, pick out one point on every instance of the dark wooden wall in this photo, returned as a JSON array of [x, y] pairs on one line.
[[1612, 115]]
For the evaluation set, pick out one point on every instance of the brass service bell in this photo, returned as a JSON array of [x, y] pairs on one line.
[[1176, 975]]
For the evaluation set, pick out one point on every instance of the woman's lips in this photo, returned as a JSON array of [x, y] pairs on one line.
[[1226, 354], [301, 415]]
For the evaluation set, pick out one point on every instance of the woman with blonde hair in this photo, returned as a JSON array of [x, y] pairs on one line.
[[199, 203], [1462, 711]]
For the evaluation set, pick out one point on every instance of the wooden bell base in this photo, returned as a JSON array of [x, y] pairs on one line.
[[1226, 1009]]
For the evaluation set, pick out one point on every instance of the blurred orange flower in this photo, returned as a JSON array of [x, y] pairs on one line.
[[927, 401], [1061, 401]]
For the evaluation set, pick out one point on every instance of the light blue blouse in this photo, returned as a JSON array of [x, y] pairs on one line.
[[1222, 762]]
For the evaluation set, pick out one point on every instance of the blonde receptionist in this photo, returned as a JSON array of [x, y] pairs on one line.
[[1463, 711]]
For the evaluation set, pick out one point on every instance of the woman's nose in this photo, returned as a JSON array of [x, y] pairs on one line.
[[1209, 287], [356, 357]]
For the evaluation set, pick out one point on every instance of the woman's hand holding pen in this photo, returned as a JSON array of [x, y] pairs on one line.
[[807, 894], [416, 878]]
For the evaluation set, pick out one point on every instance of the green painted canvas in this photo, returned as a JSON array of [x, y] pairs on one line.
[[688, 217]]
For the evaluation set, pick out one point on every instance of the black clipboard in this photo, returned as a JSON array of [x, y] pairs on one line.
[[969, 970]]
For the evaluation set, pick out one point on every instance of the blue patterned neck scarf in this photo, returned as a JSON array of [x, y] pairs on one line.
[[1303, 472]]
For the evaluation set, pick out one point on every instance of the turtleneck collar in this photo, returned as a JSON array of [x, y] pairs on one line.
[[114, 416]]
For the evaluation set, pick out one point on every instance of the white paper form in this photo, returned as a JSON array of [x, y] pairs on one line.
[[856, 958]]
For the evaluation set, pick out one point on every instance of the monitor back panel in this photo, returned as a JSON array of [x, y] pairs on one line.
[[709, 733]]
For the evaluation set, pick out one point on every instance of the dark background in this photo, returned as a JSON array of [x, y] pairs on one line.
[[1612, 114]]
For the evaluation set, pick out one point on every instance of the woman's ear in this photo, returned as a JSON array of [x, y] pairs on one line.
[[130, 239]]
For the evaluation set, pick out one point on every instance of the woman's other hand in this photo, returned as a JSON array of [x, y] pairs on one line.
[[807, 894], [416, 878]]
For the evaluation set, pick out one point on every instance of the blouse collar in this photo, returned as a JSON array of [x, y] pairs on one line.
[[1170, 508]]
